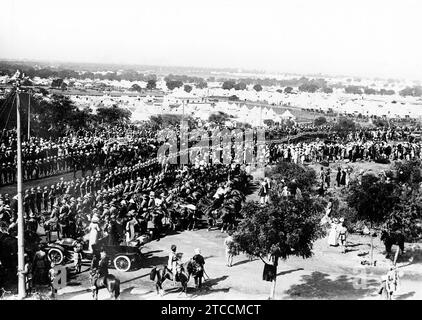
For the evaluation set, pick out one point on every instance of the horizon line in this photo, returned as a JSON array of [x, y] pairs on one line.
[[257, 71]]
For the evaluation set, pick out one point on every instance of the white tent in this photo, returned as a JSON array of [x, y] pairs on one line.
[[287, 115]]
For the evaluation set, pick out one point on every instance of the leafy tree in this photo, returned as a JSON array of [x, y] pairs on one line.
[[406, 217], [244, 125], [219, 118], [233, 98], [269, 122], [187, 88], [387, 92], [299, 176], [327, 90], [151, 84], [373, 200], [308, 87], [320, 121], [288, 90], [240, 86], [57, 83], [136, 87], [201, 85], [378, 122], [369, 91], [409, 172], [280, 229], [344, 126], [167, 120], [408, 91], [353, 89], [173, 84], [113, 115], [257, 87], [55, 117], [43, 91], [228, 85], [27, 82]]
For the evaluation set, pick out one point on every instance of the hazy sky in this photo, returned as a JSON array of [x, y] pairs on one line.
[[359, 37]]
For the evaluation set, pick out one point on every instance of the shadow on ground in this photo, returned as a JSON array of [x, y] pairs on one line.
[[404, 296], [208, 287], [149, 260], [319, 286]]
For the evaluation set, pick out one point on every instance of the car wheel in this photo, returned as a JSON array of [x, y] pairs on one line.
[[55, 255], [122, 263]]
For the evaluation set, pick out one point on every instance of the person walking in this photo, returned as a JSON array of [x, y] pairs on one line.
[[77, 257], [94, 230], [342, 232], [268, 186], [172, 262], [389, 284], [199, 272], [228, 244], [263, 192], [52, 273], [27, 273], [332, 236], [338, 177]]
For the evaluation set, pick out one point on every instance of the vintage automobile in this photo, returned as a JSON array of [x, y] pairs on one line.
[[123, 257]]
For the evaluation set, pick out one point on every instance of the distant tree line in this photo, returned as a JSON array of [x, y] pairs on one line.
[[58, 116], [45, 72]]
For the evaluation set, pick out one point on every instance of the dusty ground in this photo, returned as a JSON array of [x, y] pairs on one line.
[[329, 274]]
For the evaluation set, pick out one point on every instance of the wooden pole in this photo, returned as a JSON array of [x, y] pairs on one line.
[[274, 260], [21, 258], [29, 116]]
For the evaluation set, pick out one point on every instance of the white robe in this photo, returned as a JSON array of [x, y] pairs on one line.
[[332, 236], [94, 229]]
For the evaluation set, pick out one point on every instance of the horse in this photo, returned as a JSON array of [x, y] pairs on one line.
[[110, 282], [390, 238], [161, 273]]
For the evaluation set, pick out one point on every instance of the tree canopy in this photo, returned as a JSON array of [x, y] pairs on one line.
[[257, 87], [229, 84], [344, 125], [240, 86], [173, 84], [136, 87], [113, 115], [281, 228], [187, 88], [298, 176], [219, 117], [372, 198], [151, 84], [288, 90], [320, 121]]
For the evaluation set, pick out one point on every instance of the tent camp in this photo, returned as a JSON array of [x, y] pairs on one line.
[[287, 115]]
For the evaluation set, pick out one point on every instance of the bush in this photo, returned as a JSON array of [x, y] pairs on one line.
[[304, 178], [409, 172], [320, 121]]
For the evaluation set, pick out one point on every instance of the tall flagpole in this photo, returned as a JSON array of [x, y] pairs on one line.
[[29, 115], [21, 258]]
